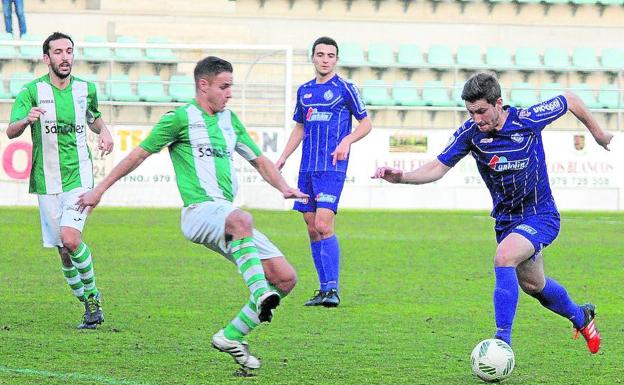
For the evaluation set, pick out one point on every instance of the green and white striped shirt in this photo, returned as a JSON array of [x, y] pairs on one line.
[[61, 159], [201, 147]]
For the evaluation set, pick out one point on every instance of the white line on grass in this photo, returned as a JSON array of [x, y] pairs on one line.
[[70, 376]]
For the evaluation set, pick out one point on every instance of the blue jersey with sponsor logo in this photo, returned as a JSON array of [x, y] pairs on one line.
[[511, 161], [325, 110]]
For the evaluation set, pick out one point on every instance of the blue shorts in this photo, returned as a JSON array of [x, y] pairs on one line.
[[541, 230], [324, 189]]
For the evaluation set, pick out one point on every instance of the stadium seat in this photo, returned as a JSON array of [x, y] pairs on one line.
[[556, 59], [410, 55], [18, 80], [584, 91], [527, 58], [7, 52], [127, 54], [612, 59], [151, 89], [435, 93], [120, 89], [4, 93], [605, 3], [550, 90], [375, 93], [351, 55], [469, 56], [523, 95], [96, 54], [159, 55], [498, 58], [440, 56], [32, 52], [182, 88], [380, 55], [405, 93], [584, 58], [102, 96], [609, 96], [457, 92]]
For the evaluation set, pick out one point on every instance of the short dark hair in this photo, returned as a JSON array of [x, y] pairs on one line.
[[211, 66], [482, 85], [54, 36], [325, 40]]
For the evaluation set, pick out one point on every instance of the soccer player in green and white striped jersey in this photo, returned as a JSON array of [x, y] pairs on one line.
[[59, 107], [202, 137]]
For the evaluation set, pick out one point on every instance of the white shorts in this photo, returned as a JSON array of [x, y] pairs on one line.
[[204, 223], [59, 210]]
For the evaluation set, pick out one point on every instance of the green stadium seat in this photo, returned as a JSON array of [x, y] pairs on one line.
[[7, 52], [435, 93], [405, 93], [528, 58], [96, 54], [4, 93], [550, 90], [556, 59], [127, 54], [32, 52], [523, 95], [375, 93], [98, 85], [440, 56], [182, 88], [610, 2], [612, 59], [584, 58], [152, 89], [610, 97], [457, 92], [18, 80], [469, 56], [581, 2], [351, 55], [120, 89], [380, 55], [498, 57], [584, 91], [410, 55], [159, 55]]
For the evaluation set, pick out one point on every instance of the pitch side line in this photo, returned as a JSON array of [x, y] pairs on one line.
[[70, 376]]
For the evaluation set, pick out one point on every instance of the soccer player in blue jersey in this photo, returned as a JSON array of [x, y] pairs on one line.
[[323, 113], [507, 145]]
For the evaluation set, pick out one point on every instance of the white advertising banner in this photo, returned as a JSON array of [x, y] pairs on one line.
[[582, 174]]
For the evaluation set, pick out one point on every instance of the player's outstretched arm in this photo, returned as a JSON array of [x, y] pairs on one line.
[[271, 174], [296, 136], [126, 166], [582, 113], [16, 128], [105, 140], [429, 172], [342, 150]]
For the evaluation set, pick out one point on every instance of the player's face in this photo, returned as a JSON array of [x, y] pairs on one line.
[[217, 90], [487, 117], [324, 59], [60, 58]]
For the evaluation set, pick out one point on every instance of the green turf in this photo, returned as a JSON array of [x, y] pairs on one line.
[[416, 291]]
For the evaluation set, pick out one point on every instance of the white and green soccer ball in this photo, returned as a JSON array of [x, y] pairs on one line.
[[492, 360]]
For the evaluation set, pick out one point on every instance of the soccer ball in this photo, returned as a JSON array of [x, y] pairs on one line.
[[492, 360]]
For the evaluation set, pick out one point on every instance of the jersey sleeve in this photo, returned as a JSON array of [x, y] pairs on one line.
[[354, 101], [459, 145], [24, 101], [299, 114], [92, 108], [245, 146], [540, 115], [165, 132]]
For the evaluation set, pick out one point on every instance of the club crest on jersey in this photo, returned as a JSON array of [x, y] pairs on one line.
[[327, 198], [517, 138], [328, 95], [502, 164], [524, 113], [317, 116]]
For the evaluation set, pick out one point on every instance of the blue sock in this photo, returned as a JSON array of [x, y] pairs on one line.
[[555, 298], [505, 301], [318, 263], [330, 255]]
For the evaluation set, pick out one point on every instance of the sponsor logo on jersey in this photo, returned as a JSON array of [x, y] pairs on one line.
[[502, 164], [486, 140], [63, 128], [46, 101], [307, 96], [327, 198], [328, 95], [551, 106], [527, 229], [517, 138], [209, 151], [317, 116]]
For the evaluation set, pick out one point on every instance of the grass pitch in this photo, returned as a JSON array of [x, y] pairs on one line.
[[416, 292]]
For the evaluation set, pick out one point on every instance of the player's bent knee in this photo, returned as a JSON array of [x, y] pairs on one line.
[[504, 259], [70, 242], [239, 224]]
